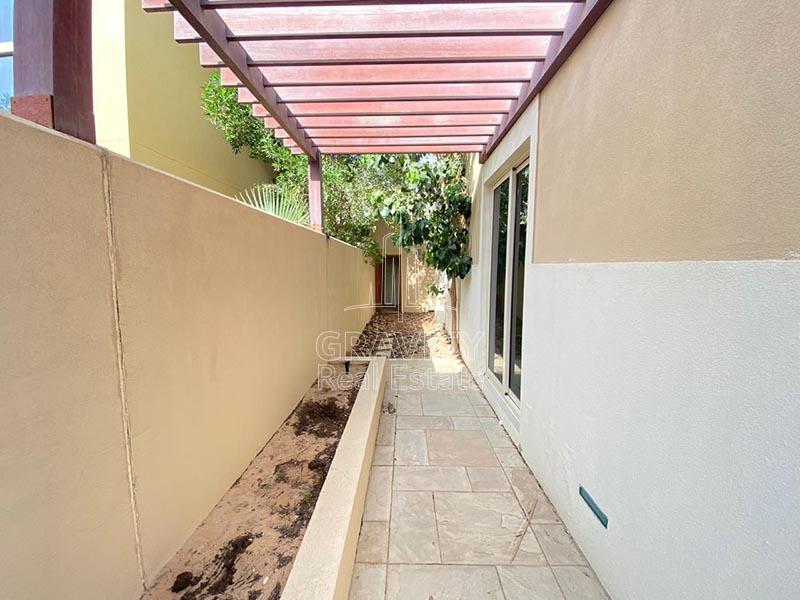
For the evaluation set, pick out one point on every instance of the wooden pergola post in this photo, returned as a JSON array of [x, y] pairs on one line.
[[53, 65], [315, 191]]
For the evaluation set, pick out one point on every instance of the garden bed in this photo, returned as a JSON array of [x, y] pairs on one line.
[[410, 335], [246, 546]]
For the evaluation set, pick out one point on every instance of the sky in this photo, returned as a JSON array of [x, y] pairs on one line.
[[6, 35]]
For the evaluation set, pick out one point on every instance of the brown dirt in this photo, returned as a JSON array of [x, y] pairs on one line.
[[413, 335], [245, 548]]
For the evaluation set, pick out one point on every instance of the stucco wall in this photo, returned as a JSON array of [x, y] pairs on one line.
[[147, 100], [215, 309], [659, 370]]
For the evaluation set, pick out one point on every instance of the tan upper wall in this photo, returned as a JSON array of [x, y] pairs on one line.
[[671, 134], [219, 309], [147, 100]]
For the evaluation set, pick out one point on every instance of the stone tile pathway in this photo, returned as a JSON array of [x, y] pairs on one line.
[[452, 511]]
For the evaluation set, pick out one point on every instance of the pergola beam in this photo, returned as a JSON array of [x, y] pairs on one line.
[[580, 20], [399, 107], [390, 74], [402, 141], [398, 149], [405, 91], [441, 120], [397, 21], [164, 5], [213, 29], [386, 50], [383, 132]]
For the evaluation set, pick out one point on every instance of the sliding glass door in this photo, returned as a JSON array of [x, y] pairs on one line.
[[507, 284]]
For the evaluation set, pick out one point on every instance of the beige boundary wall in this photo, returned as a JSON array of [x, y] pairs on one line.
[[661, 331], [169, 365]]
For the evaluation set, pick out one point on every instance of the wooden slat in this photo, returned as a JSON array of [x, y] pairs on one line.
[[406, 91], [164, 5], [411, 107], [211, 26], [398, 149], [401, 141], [395, 120], [320, 134], [387, 50], [580, 20], [385, 21], [362, 74]]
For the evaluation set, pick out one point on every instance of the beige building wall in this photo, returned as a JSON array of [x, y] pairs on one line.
[[147, 100], [672, 135], [213, 311]]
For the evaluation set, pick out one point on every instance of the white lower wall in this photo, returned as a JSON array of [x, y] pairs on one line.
[[671, 391]]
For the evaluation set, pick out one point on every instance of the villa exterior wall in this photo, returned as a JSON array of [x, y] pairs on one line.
[[178, 364], [147, 100], [661, 324]]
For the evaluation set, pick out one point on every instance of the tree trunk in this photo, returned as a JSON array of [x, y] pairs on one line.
[[454, 316]]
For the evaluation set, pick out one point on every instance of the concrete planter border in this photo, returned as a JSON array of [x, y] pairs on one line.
[[324, 564]]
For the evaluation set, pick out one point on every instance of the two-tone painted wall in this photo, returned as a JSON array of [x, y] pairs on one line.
[[147, 100], [662, 310]]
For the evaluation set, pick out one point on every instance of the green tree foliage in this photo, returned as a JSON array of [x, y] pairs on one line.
[[347, 210], [430, 208]]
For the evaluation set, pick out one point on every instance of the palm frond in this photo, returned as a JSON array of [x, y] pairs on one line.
[[278, 201]]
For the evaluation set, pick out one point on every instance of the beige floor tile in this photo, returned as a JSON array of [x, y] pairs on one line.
[[484, 411], [415, 422], [475, 397], [451, 479], [529, 551], [368, 583], [412, 534], [529, 583], [373, 542], [460, 448], [379, 494], [383, 456], [509, 457], [467, 423], [447, 404], [498, 437], [386, 430], [410, 448], [488, 479], [442, 582], [478, 528], [579, 583], [409, 404], [557, 545]]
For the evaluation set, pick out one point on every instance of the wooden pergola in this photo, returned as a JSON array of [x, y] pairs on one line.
[[368, 77], [333, 76]]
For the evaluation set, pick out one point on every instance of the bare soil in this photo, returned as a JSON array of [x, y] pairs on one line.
[[245, 548], [412, 335]]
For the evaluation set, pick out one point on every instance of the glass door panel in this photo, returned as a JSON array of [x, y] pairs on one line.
[[520, 230], [497, 299]]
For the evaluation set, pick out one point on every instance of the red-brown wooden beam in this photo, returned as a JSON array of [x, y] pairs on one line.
[[320, 134], [411, 107], [53, 65], [397, 149], [443, 120], [315, 192], [211, 26], [164, 5], [385, 21], [580, 20], [400, 141], [403, 91], [391, 74], [388, 50]]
